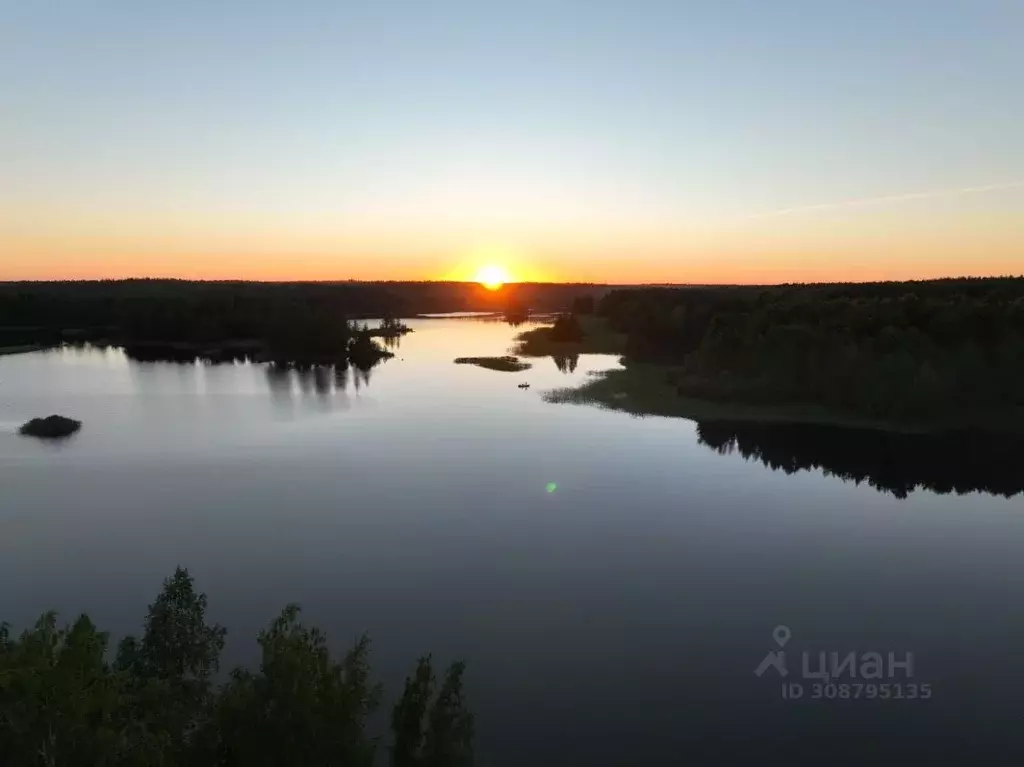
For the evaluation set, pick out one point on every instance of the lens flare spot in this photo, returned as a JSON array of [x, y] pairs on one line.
[[551, 487]]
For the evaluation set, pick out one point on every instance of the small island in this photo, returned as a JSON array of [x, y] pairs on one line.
[[52, 427], [504, 364]]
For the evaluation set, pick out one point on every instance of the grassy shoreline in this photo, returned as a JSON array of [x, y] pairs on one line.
[[642, 390]]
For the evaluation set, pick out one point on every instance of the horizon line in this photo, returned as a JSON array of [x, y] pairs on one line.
[[244, 281]]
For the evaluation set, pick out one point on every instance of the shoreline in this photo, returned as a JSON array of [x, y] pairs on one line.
[[23, 349], [642, 390]]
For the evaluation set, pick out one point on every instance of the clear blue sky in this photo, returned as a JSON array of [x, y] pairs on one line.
[[570, 138]]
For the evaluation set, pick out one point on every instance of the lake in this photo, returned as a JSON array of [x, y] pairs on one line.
[[611, 581]]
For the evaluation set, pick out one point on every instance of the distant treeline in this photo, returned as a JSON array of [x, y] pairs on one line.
[[891, 462], [239, 309], [287, 322], [156, 702], [893, 350]]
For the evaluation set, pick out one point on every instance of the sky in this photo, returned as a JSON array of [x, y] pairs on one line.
[[616, 141]]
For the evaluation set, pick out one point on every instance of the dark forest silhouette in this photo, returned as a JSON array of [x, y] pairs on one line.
[[288, 323], [179, 310], [566, 329], [891, 462], [902, 351], [63, 702]]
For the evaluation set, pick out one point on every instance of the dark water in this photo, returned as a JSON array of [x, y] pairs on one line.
[[617, 620]]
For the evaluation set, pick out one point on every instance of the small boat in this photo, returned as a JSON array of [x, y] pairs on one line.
[[524, 386]]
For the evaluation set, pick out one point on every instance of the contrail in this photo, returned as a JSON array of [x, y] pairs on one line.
[[890, 198]]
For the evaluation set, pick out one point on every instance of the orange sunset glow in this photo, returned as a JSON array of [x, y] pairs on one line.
[[908, 243], [493, 276], [564, 168]]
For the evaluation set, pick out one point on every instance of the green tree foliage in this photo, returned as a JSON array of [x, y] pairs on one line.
[[63, 703], [302, 708], [432, 730], [59, 702], [449, 739], [915, 350], [169, 670]]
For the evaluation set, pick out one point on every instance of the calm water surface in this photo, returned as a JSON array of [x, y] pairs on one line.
[[616, 620]]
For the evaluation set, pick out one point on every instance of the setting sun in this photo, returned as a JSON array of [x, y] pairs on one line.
[[492, 276]]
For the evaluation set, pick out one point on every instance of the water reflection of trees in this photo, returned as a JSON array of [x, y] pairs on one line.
[[960, 462], [392, 342], [320, 380], [566, 363], [341, 377], [361, 375], [279, 380]]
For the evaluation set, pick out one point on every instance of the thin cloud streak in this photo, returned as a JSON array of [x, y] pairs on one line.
[[892, 198]]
